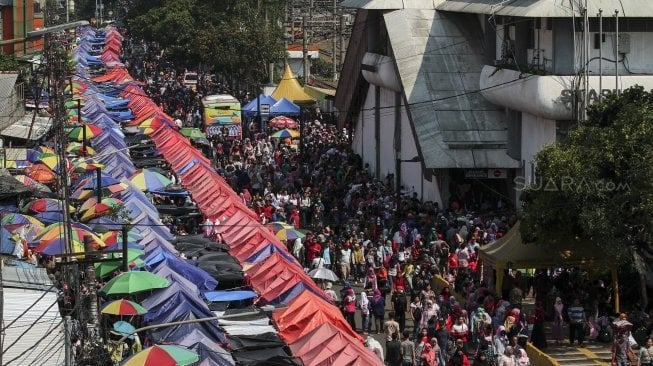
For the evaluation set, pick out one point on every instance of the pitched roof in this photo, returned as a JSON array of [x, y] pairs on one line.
[[548, 8], [290, 89], [439, 58]]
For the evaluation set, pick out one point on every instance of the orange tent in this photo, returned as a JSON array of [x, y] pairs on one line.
[[326, 344], [307, 312], [280, 285]]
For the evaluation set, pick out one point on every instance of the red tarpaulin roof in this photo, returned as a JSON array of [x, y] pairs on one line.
[[327, 343], [307, 312]]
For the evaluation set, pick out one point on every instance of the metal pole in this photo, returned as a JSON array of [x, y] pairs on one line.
[[600, 55], [398, 184], [334, 58], [67, 11], [2, 311], [67, 341], [90, 284], [342, 41], [305, 49], [99, 184], [125, 246], [616, 51]]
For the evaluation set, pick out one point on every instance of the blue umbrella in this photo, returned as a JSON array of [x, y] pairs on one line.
[[123, 328]]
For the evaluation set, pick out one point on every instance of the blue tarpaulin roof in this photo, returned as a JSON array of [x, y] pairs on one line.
[[251, 108], [219, 296], [284, 107]]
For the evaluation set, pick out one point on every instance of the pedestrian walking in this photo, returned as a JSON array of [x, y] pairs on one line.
[[378, 310], [393, 351], [576, 315], [364, 306], [407, 350], [558, 320]]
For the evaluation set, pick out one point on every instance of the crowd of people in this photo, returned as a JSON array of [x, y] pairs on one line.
[[414, 257]]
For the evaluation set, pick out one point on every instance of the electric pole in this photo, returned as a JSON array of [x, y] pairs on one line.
[[334, 57], [305, 50]]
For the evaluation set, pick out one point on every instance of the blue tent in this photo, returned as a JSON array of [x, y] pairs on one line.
[[251, 109], [158, 255], [293, 292], [7, 246], [175, 277], [284, 107], [267, 251], [194, 274]]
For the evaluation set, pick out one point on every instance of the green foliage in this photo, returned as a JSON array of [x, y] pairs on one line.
[[598, 184], [238, 37], [10, 63]]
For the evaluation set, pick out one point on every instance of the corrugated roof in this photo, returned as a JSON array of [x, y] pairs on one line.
[[439, 59], [548, 8], [20, 128], [25, 277], [11, 108], [36, 336]]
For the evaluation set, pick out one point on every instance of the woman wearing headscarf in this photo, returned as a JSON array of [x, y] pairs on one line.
[[427, 358], [378, 309], [538, 338], [558, 320], [508, 358], [370, 279], [500, 341], [430, 311], [522, 358], [364, 305], [349, 305]]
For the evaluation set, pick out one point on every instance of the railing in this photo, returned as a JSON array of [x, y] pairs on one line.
[[539, 358]]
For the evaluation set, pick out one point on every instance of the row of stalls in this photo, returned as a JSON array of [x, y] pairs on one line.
[[228, 282]]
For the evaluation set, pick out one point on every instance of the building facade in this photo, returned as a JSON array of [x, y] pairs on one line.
[[455, 98]]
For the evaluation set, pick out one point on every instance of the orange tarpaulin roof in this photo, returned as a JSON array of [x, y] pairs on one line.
[[307, 312], [327, 343], [290, 89]]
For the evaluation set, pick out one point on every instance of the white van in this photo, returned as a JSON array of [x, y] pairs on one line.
[[190, 80]]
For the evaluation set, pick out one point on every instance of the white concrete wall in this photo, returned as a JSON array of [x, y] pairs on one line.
[[638, 60], [535, 133], [387, 144], [363, 142]]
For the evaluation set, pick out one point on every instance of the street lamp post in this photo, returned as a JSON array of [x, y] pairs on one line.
[[398, 162]]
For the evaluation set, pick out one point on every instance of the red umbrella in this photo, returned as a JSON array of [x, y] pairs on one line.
[[283, 122]]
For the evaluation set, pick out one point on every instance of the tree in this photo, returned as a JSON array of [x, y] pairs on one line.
[[598, 184], [238, 37]]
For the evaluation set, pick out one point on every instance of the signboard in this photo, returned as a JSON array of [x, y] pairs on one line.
[[486, 174], [234, 131], [265, 109]]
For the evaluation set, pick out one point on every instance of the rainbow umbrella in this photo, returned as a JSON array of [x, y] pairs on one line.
[[81, 165], [98, 210], [278, 225], [114, 237], [289, 234], [50, 160], [149, 180], [128, 283], [285, 133], [26, 225], [163, 355], [152, 124], [45, 205], [45, 149], [82, 194], [123, 307], [15, 164], [109, 201], [78, 134], [76, 148], [32, 183], [52, 234], [20, 219]]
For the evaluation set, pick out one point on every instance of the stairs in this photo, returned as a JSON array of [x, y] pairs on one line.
[[591, 354]]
